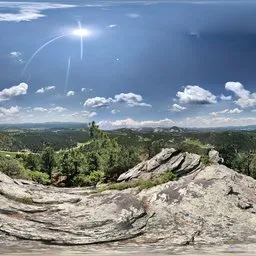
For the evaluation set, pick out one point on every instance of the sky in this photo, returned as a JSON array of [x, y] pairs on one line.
[[129, 63]]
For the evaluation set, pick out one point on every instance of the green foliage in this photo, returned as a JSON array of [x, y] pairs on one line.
[[13, 168], [48, 160], [89, 180], [205, 160], [31, 161], [40, 177], [142, 184]]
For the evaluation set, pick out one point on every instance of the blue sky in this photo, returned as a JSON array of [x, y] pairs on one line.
[[142, 63]]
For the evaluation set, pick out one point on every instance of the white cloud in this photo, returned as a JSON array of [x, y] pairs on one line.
[[246, 99], [177, 108], [115, 111], [133, 15], [219, 112], [112, 26], [130, 99], [17, 56], [235, 111], [132, 123], [27, 11], [88, 114], [58, 109], [97, 102], [227, 111], [17, 90], [194, 94], [223, 97], [46, 89], [40, 109], [84, 114], [83, 90], [9, 111], [70, 93]]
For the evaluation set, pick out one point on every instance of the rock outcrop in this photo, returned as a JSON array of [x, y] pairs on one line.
[[214, 157], [167, 160], [210, 204]]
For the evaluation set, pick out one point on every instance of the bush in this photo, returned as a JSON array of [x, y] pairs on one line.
[[40, 177], [92, 179], [13, 168], [142, 184]]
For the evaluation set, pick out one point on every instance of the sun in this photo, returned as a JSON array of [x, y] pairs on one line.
[[81, 32]]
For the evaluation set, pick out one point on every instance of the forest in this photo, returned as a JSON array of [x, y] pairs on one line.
[[88, 156]]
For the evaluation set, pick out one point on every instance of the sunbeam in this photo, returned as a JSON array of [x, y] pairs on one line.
[[67, 75]]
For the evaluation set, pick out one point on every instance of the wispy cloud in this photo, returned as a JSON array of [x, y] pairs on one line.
[[46, 89], [28, 11], [17, 56], [133, 15]]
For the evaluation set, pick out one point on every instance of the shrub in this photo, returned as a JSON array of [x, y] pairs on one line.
[[40, 177], [142, 184]]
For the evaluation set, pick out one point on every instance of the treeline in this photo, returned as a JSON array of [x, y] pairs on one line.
[[103, 156], [100, 159]]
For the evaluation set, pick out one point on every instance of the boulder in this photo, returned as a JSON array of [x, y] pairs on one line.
[[214, 157], [168, 159]]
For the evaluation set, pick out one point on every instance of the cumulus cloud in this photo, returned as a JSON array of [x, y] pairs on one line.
[[246, 99], [46, 89], [70, 93], [83, 90], [177, 108], [17, 90], [223, 97], [194, 94], [138, 124], [130, 99], [97, 102], [27, 11], [9, 111], [198, 121], [227, 111]]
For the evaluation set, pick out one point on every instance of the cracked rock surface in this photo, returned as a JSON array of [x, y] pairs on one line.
[[209, 205]]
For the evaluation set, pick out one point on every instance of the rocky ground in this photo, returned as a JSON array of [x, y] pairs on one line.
[[207, 205]]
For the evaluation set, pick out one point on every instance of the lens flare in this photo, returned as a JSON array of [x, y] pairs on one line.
[[81, 32]]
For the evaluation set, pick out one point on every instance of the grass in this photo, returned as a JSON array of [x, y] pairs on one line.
[[141, 184]]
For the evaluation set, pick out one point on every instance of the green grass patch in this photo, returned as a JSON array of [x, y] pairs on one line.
[[141, 184]]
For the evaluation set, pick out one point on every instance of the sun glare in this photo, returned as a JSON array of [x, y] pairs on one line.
[[81, 32]]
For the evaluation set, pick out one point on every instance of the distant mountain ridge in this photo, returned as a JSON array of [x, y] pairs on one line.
[[79, 125]]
